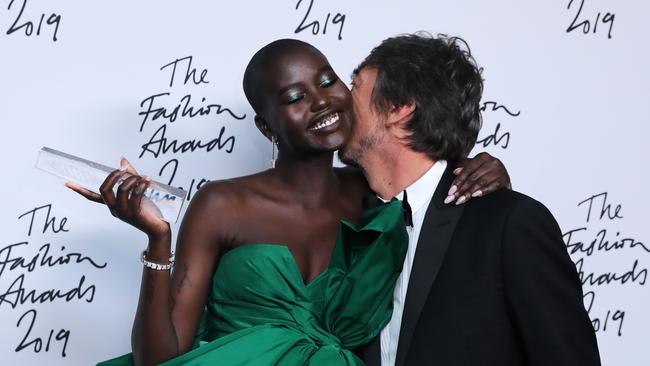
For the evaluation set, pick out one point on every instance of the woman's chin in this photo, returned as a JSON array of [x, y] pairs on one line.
[[334, 143]]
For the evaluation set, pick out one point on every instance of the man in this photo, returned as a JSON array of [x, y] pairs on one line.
[[485, 283]]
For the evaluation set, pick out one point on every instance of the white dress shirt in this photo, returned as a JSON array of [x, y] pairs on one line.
[[419, 196]]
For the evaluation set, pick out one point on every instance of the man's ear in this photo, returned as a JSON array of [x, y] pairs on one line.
[[400, 116], [263, 126]]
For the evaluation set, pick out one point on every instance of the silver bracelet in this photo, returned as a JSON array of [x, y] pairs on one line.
[[157, 266]]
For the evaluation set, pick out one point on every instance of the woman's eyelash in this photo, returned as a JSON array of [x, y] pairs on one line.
[[294, 97], [325, 82]]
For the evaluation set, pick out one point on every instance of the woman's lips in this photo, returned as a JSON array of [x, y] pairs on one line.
[[327, 121]]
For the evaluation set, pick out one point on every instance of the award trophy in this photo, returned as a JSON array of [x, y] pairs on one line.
[[163, 199]]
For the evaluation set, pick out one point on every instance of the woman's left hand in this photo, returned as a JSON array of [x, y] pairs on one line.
[[477, 177]]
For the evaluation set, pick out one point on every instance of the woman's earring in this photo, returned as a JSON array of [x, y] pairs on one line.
[[274, 144]]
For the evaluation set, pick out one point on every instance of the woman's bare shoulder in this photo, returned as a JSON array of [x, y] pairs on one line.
[[232, 193], [223, 208]]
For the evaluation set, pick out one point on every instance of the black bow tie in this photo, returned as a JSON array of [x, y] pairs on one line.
[[372, 201]]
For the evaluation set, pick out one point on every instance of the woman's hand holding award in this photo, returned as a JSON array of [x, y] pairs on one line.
[[100, 183]]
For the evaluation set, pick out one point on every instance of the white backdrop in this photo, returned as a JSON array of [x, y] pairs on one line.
[[565, 109]]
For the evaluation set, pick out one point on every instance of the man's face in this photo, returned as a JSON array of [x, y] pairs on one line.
[[367, 126]]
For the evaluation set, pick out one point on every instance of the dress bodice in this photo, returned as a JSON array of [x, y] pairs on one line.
[[343, 308], [259, 284]]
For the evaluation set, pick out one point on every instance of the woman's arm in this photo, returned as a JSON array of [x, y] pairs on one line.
[[170, 305], [170, 308]]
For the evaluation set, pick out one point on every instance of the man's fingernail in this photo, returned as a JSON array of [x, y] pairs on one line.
[[461, 200], [458, 170], [147, 178], [449, 199], [452, 190], [477, 194]]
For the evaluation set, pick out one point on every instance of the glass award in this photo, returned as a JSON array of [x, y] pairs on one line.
[[166, 201]]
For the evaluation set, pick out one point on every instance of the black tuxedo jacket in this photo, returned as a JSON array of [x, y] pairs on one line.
[[492, 284]]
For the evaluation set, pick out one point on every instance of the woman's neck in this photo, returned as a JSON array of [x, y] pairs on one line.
[[309, 178]]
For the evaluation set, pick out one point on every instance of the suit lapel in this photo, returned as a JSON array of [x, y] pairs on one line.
[[435, 235]]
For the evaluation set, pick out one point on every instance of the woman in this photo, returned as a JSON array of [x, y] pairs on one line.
[[290, 286]]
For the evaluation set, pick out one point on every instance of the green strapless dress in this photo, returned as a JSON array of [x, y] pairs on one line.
[[260, 312]]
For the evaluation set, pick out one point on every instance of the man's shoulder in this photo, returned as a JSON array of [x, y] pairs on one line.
[[513, 216], [503, 198], [508, 202]]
